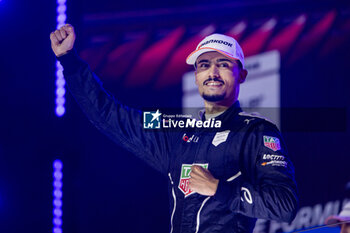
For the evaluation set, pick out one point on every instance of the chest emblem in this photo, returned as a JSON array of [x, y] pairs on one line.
[[185, 177], [193, 138], [220, 137]]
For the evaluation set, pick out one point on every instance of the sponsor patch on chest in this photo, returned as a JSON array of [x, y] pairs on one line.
[[220, 137], [272, 143], [185, 177], [189, 139]]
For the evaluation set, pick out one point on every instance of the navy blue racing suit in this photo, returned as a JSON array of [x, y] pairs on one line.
[[247, 154]]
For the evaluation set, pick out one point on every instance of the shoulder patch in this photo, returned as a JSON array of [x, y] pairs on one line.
[[272, 143]]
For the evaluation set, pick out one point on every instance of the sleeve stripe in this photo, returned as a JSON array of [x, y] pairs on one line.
[[234, 177]]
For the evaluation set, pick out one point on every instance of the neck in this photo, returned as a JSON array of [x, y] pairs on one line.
[[215, 107]]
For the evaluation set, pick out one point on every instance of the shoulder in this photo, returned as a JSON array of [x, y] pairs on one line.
[[255, 120], [262, 134]]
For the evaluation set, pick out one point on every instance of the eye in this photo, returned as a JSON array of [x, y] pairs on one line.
[[203, 65], [223, 65]]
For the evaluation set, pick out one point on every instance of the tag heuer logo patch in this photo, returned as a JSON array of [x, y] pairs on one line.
[[185, 178], [272, 143]]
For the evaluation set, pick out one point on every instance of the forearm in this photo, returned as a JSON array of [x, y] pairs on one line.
[[120, 123]]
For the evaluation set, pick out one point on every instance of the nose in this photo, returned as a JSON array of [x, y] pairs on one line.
[[214, 71]]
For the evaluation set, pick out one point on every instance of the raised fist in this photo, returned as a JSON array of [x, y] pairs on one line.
[[62, 40]]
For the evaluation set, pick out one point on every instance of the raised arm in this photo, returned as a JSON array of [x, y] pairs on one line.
[[120, 123]]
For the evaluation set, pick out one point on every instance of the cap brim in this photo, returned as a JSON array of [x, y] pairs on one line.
[[192, 58], [336, 219]]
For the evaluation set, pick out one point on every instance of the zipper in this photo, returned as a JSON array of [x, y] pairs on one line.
[[199, 213], [174, 197]]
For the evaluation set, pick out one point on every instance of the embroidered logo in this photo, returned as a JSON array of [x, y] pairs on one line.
[[273, 157], [190, 139], [220, 137], [246, 195], [185, 178], [275, 163], [272, 143], [248, 120]]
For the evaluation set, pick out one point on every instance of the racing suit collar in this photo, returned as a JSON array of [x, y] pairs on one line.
[[234, 109], [225, 116]]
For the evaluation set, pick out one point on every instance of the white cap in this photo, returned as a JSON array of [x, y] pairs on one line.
[[223, 44], [343, 216]]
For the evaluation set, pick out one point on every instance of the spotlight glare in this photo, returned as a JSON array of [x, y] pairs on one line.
[[57, 194], [60, 82], [60, 110]]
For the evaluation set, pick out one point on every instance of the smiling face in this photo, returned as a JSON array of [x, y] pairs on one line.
[[218, 78]]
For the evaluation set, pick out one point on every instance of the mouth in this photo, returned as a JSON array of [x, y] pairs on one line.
[[213, 83]]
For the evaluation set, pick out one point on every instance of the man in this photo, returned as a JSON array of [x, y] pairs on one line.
[[221, 180], [342, 220]]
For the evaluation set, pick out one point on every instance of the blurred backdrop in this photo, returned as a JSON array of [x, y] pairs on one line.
[[138, 49]]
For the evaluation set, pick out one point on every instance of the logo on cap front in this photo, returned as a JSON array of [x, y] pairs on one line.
[[217, 42]]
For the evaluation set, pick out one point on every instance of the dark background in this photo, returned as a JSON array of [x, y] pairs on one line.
[[107, 189]]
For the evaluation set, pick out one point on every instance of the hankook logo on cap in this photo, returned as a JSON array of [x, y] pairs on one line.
[[216, 41]]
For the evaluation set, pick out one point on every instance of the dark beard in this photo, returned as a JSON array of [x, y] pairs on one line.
[[213, 98]]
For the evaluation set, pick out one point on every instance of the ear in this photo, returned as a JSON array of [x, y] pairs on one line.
[[195, 75], [242, 75]]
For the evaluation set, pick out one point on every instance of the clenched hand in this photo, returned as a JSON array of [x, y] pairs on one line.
[[62, 40], [202, 181]]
